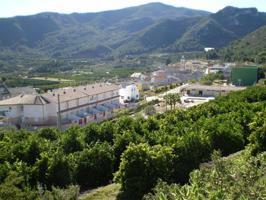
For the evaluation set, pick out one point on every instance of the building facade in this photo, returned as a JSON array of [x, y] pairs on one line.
[[129, 93], [73, 105], [197, 90]]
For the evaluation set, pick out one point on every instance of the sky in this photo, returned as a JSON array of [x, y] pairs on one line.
[[9, 8]]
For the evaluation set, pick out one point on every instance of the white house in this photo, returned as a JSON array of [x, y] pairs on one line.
[[206, 49], [129, 93], [80, 105]]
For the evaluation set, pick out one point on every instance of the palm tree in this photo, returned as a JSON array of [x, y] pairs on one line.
[[175, 98], [167, 99], [172, 99]]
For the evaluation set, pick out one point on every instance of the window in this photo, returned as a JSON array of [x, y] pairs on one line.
[[200, 93]]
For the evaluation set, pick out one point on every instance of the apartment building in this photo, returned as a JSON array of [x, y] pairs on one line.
[[72, 105]]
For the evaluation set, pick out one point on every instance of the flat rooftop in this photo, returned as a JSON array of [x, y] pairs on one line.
[[213, 87]]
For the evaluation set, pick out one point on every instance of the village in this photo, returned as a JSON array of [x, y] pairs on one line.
[[25, 108]]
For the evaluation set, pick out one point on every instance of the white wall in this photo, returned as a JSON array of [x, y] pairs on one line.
[[129, 93], [12, 111]]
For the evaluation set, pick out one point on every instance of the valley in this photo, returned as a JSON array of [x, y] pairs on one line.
[[151, 102]]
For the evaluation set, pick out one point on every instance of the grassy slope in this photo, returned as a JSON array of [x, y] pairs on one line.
[[109, 192]]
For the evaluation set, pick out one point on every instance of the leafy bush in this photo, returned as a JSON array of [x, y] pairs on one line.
[[94, 166], [240, 177], [141, 165], [167, 146]]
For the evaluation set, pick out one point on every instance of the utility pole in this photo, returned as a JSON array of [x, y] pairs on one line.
[[58, 113]]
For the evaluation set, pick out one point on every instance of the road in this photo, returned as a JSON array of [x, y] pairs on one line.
[[172, 91]]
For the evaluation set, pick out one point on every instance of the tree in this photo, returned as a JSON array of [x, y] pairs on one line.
[[167, 99], [95, 166], [211, 55], [48, 133], [172, 99], [15, 187], [141, 166], [59, 171], [258, 136], [238, 177], [261, 57], [168, 61], [3, 79], [71, 140]]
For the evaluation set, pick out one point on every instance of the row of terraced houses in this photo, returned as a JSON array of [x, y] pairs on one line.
[[73, 105]]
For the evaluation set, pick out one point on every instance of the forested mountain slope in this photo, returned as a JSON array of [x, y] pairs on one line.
[[135, 30], [250, 48], [84, 34]]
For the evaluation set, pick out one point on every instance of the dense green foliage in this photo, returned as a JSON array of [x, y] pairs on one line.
[[240, 177], [139, 151]]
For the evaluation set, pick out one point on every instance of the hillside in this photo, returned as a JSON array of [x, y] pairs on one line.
[[134, 30], [221, 28], [224, 178], [87, 34], [208, 182], [250, 48]]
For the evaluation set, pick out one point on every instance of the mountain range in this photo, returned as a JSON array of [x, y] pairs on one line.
[[135, 30]]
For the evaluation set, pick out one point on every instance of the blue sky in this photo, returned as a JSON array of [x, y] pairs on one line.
[[10, 8]]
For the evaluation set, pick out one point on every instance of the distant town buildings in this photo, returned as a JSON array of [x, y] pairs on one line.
[[224, 69], [159, 77], [138, 76]]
